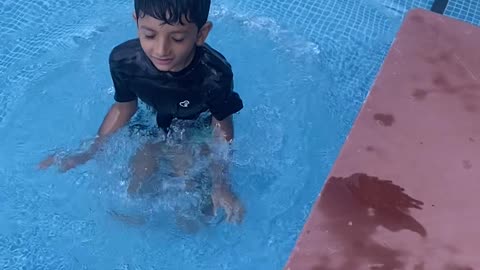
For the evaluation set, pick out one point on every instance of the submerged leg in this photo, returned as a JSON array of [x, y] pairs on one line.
[[143, 165]]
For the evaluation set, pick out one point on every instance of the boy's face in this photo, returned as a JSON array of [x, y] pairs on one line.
[[170, 47]]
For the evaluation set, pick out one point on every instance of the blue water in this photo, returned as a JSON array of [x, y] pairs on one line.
[[287, 139]]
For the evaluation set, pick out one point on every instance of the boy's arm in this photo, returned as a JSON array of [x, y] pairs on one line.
[[118, 116], [223, 133], [223, 129], [222, 194]]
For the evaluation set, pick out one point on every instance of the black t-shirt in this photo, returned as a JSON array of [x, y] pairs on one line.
[[204, 85]]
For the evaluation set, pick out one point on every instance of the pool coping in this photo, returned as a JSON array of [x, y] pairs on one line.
[[395, 199]]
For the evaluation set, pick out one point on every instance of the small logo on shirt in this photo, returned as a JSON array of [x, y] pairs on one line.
[[184, 103]]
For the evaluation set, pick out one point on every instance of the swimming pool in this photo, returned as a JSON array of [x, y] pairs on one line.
[[302, 91]]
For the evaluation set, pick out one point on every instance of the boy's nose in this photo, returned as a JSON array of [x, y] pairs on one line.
[[162, 48]]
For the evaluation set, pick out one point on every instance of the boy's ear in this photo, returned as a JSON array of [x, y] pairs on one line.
[[203, 33], [134, 16]]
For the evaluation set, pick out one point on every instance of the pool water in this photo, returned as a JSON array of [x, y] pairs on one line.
[[287, 138]]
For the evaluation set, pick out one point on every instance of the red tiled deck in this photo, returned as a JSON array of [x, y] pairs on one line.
[[405, 190]]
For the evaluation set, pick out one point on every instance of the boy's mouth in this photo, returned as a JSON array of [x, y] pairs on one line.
[[162, 61]]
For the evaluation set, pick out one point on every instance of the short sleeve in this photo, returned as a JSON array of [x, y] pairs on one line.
[[122, 92], [223, 100]]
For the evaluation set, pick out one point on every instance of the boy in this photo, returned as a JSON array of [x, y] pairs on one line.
[[171, 69]]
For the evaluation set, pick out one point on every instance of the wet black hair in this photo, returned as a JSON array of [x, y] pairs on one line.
[[173, 11]]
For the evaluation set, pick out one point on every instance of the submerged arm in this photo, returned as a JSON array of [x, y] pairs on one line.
[[222, 195], [223, 133]]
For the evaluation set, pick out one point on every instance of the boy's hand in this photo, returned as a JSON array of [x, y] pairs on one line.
[[224, 198], [117, 117], [66, 163]]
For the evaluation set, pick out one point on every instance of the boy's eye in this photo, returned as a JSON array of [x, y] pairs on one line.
[[149, 36], [176, 39]]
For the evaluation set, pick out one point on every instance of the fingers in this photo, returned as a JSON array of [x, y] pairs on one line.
[[229, 212], [46, 162], [227, 207], [233, 208], [235, 212], [66, 165], [215, 205], [238, 215], [130, 220]]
